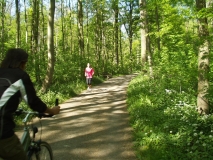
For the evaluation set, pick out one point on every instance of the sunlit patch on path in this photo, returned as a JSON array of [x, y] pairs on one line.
[[93, 125]]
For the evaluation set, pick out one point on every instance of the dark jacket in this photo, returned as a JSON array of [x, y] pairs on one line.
[[15, 85]]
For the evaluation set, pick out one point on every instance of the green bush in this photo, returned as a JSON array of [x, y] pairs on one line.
[[166, 124]]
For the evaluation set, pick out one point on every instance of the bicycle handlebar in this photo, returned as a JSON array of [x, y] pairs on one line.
[[33, 113]]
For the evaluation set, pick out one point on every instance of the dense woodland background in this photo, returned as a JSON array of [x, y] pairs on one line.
[[62, 36], [170, 39], [167, 40]]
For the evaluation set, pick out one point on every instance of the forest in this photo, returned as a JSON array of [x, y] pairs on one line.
[[167, 42]]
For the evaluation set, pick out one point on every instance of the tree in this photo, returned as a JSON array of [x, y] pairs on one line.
[[35, 38], [203, 59], [17, 24], [81, 34], [116, 28], [50, 44], [2, 5], [62, 25], [26, 21], [145, 39], [71, 26], [130, 20], [142, 4], [158, 27]]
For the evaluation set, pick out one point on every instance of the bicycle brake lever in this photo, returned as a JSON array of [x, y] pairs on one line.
[[56, 102]]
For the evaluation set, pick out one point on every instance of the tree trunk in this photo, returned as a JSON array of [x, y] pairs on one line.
[[71, 35], [142, 4], [209, 5], [87, 31], [150, 57], [26, 26], [35, 39], [17, 24], [97, 39], [130, 34], [50, 45], [81, 36], [62, 25], [3, 5], [116, 31], [121, 51], [203, 61], [158, 29]]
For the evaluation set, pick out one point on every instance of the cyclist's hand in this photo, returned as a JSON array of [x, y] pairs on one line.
[[56, 109], [53, 111]]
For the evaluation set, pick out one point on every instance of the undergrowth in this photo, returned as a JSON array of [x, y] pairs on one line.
[[166, 123]]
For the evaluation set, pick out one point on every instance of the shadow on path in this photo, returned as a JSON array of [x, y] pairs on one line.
[[93, 125]]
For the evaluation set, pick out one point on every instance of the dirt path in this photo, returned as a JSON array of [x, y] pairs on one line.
[[94, 125]]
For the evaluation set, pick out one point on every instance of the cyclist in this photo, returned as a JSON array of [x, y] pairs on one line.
[[15, 84]]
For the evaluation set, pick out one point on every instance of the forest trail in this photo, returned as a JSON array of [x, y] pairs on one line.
[[94, 125]]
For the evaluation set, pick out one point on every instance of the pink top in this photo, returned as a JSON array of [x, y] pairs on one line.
[[89, 72]]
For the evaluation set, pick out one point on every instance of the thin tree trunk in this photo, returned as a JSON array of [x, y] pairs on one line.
[[3, 5], [101, 38], [17, 24], [129, 30], [130, 35], [150, 57], [209, 5], [71, 36], [116, 31], [42, 37], [26, 25], [35, 38], [43, 23], [66, 30], [143, 31], [81, 35], [50, 44], [121, 51], [203, 61], [97, 39], [158, 29], [87, 31], [62, 25]]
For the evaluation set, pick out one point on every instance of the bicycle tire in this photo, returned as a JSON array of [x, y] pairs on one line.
[[45, 152]]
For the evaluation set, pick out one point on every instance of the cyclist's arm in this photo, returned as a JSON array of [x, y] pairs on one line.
[[34, 101], [29, 95]]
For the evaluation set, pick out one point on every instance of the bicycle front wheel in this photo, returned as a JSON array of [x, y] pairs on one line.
[[45, 152]]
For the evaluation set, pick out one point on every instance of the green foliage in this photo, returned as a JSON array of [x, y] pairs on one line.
[[166, 124], [163, 130]]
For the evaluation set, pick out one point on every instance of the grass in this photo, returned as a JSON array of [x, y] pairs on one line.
[[167, 125]]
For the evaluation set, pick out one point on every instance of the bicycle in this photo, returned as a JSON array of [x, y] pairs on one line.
[[36, 150]]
